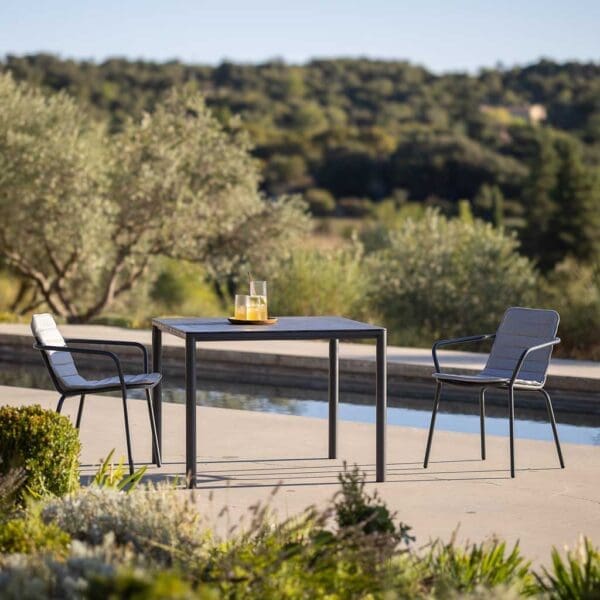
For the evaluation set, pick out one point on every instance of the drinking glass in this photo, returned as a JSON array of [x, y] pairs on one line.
[[258, 288], [258, 300], [241, 306]]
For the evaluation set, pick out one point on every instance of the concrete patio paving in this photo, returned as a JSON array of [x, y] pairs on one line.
[[244, 455]]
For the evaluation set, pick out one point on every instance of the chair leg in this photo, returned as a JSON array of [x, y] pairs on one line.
[[511, 419], [153, 428], [60, 404], [129, 454], [436, 403], [482, 421], [554, 429], [80, 411]]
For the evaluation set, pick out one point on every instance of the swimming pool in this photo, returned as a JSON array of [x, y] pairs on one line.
[[404, 410]]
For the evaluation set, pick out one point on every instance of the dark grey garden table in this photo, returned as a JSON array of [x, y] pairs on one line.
[[194, 330]]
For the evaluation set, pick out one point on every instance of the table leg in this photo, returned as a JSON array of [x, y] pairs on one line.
[[157, 390], [334, 395], [381, 405], [190, 411]]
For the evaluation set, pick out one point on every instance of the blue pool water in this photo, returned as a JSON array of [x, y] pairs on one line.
[[285, 403]]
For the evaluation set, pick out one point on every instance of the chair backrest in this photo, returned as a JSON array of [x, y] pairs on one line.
[[61, 364], [522, 328]]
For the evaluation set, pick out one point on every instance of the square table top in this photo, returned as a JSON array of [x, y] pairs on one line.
[[286, 328]]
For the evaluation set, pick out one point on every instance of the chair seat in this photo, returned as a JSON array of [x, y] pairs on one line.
[[483, 379], [131, 381]]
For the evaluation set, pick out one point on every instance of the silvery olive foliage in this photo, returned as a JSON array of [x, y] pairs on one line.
[[85, 212], [437, 277], [158, 522], [42, 575]]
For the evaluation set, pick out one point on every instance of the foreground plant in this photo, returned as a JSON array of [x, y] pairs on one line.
[[307, 557], [41, 445], [116, 477], [152, 543], [476, 566], [576, 576], [158, 523], [28, 534]]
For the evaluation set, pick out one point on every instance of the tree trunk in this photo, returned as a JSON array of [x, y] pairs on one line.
[[24, 288]]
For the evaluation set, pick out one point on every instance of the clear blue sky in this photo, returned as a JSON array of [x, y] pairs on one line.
[[440, 34]]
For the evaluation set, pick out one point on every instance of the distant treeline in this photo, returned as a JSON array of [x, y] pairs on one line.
[[351, 133]]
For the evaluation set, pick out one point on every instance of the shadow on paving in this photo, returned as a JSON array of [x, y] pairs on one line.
[[265, 473]]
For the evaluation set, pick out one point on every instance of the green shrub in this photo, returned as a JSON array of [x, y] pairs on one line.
[[577, 576], [168, 289], [440, 278], [456, 569], [574, 290], [308, 557], [316, 282], [320, 201], [387, 217], [300, 558], [10, 317], [44, 444], [354, 508], [136, 585], [181, 287], [111, 320], [28, 534]]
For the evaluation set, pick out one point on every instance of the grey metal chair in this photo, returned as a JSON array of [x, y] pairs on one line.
[[57, 357], [518, 360]]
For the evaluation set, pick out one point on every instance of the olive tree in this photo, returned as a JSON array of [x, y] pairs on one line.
[[437, 278], [84, 213]]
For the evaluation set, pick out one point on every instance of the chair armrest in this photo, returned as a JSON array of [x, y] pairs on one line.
[[110, 355], [526, 353], [113, 343], [455, 341]]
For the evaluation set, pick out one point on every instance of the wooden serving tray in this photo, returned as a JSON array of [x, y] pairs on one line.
[[268, 321]]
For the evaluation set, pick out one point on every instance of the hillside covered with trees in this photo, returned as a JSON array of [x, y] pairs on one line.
[[349, 134], [129, 189]]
